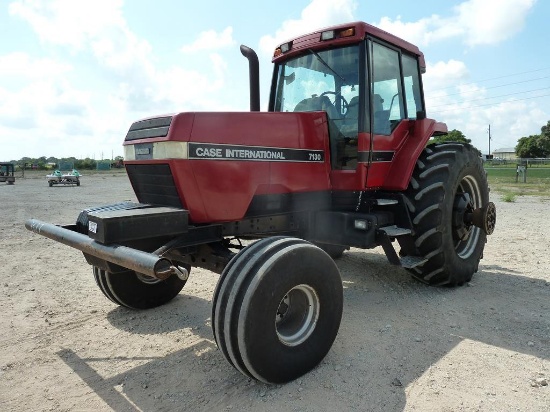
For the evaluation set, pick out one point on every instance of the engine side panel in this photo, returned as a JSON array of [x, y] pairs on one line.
[[220, 161]]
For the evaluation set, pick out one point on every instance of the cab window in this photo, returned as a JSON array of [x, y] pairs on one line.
[[387, 93]]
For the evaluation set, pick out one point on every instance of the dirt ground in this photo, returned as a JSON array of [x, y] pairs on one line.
[[402, 346]]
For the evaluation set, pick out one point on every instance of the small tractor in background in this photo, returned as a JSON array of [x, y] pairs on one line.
[[341, 159], [7, 173]]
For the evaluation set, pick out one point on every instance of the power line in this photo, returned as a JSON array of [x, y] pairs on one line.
[[493, 97], [495, 78], [492, 87], [490, 104]]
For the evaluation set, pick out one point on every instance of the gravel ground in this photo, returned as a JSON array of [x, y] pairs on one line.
[[402, 346]]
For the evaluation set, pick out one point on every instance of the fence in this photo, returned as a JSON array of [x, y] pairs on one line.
[[512, 162]]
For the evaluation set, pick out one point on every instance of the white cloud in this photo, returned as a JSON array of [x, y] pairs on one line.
[[509, 121], [420, 32], [68, 22], [48, 99], [443, 75], [469, 108], [317, 14], [21, 64], [491, 21], [211, 40], [476, 22]]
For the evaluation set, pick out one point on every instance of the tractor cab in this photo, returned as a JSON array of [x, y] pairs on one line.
[[369, 84]]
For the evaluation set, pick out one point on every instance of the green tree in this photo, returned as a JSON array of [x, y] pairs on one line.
[[453, 136], [535, 145]]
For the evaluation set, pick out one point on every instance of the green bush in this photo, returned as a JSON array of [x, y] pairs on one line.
[[509, 197]]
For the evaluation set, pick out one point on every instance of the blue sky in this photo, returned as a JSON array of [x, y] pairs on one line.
[[75, 74]]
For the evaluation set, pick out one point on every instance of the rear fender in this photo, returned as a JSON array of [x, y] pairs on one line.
[[407, 154]]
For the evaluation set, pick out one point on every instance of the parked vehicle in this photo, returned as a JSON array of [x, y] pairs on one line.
[[339, 160]]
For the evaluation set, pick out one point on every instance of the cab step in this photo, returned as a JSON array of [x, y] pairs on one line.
[[395, 231], [410, 262]]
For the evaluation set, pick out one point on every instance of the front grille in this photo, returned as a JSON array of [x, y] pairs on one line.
[[154, 184], [143, 129]]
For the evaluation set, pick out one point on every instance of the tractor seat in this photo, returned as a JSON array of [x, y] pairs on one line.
[[381, 116], [317, 103], [350, 122]]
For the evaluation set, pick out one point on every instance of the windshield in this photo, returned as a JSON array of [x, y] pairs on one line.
[[327, 81]]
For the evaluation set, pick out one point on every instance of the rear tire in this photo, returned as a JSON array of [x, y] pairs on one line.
[[443, 174], [277, 309], [137, 291]]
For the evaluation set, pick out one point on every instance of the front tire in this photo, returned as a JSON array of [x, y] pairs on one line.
[[131, 289], [277, 309], [448, 180], [137, 291]]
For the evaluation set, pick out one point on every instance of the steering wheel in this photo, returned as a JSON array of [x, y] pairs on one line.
[[345, 103]]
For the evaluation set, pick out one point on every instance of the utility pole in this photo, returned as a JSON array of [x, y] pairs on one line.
[[489, 139]]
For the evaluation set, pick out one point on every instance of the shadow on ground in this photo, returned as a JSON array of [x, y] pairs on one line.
[[392, 331]]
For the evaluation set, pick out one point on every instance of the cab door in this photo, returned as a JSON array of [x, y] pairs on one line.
[[395, 100]]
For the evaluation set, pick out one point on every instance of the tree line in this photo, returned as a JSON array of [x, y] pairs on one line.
[[47, 163]]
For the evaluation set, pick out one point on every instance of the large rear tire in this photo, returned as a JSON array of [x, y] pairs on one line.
[[137, 291], [277, 309], [447, 180]]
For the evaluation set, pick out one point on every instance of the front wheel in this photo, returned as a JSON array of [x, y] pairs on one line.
[[277, 309], [136, 291], [447, 185]]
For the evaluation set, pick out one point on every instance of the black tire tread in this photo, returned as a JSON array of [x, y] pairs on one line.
[[237, 289], [429, 198]]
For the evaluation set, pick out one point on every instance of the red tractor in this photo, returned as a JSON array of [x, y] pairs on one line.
[[341, 159]]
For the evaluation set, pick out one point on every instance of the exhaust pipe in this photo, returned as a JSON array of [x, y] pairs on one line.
[[254, 76], [133, 259]]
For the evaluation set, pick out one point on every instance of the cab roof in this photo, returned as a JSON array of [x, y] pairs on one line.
[[361, 30]]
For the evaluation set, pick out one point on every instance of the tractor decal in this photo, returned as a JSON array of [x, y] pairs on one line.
[[253, 153]]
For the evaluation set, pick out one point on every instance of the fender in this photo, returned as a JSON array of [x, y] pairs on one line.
[[405, 158]]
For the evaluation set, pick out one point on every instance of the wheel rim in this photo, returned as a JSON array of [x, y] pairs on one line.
[[297, 315], [466, 236]]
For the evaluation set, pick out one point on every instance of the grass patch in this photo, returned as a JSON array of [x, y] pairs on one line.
[[509, 197], [503, 181]]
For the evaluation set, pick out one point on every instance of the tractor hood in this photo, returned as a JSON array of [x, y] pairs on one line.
[[215, 164]]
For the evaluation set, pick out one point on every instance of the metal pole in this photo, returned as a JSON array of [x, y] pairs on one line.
[[489, 139]]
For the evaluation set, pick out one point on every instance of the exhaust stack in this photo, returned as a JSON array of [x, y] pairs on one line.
[[254, 75]]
